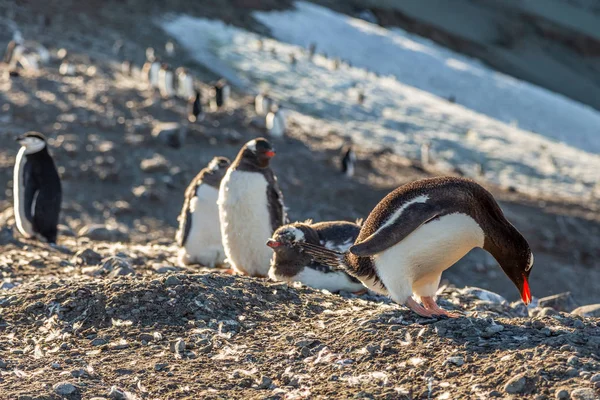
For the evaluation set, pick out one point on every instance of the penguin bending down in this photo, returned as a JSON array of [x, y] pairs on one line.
[[199, 233], [291, 264], [276, 122], [348, 161], [423, 228], [37, 189], [251, 208]]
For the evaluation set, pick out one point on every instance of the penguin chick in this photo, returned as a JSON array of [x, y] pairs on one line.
[[423, 228], [348, 161], [199, 233], [37, 189], [291, 264], [250, 208]]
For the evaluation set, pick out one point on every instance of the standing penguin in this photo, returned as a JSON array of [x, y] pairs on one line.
[[421, 229], [276, 122], [291, 264], [165, 81], [37, 189], [195, 114], [185, 86], [199, 234], [348, 161], [251, 208], [262, 104], [220, 95]]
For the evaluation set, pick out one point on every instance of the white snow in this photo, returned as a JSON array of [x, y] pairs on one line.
[[485, 136]]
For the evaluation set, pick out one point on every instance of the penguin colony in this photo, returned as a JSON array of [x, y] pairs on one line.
[[233, 211]]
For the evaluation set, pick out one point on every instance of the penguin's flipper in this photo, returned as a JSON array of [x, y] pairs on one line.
[[46, 210], [185, 218], [393, 232], [277, 210]]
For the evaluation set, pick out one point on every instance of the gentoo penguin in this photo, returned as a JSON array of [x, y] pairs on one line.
[[199, 234], [251, 208], [165, 81], [170, 48], [37, 189], [276, 122], [262, 104], [195, 114], [291, 264], [348, 161], [154, 68], [185, 84], [421, 229], [220, 95]]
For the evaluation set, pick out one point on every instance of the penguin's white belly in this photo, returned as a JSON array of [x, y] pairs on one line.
[[23, 224], [417, 262], [153, 75], [245, 221], [204, 244], [186, 87], [331, 281], [275, 124]]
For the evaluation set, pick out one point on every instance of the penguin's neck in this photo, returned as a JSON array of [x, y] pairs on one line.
[[500, 240]]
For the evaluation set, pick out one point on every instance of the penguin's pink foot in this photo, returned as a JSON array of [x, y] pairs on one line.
[[432, 306], [419, 309], [229, 271]]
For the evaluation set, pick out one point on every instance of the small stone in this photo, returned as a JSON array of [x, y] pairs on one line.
[[86, 257], [102, 233], [160, 366], [456, 360], [64, 388], [178, 346], [573, 360], [264, 382], [559, 302], [572, 372], [157, 163], [172, 281], [98, 342], [591, 310], [145, 337], [595, 378], [493, 329], [547, 312], [578, 324], [3, 364], [171, 134], [561, 394], [516, 384], [583, 394]]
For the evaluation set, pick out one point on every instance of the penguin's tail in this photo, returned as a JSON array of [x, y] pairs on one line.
[[323, 255]]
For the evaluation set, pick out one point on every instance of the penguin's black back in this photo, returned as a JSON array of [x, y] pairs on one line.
[[43, 193]]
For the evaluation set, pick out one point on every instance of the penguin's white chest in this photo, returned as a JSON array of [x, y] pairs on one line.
[[153, 75], [333, 281], [204, 244], [417, 262], [23, 224], [275, 122], [245, 221], [186, 87], [165, 83]]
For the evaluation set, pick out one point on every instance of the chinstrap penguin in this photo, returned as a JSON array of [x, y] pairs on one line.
[[251, 208], [290, 263], [37, 189], [348, 161], [276, 122], [423, 228], [199, 233]]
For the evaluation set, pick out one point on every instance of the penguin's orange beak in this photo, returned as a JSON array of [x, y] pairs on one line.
[[525, 292], [270, 153], [273, 243]]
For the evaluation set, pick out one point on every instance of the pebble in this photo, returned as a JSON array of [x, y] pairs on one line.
[[157, 163], [145, 337], [578, 324], [160, 366], [573, 360], [583, 394], [456, 360], [86, 257], [64, 388], [98, 342], [561, 394], [3, 364], [172, 281], [493, 329], [591, 310], [516, 384], [595, 378], [264, 382]]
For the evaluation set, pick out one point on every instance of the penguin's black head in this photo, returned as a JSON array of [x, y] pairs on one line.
[[258, 152], [32, 142]]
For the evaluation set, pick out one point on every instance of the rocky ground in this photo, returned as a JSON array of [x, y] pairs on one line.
[[109, 314]]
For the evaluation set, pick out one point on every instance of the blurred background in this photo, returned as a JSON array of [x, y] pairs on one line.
[[504, 92]]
